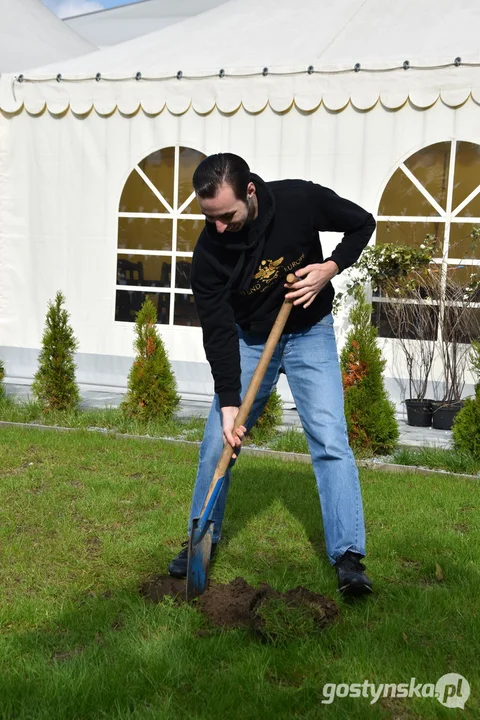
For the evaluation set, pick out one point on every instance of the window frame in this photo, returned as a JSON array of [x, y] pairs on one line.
[[173, 213], [445, 217]]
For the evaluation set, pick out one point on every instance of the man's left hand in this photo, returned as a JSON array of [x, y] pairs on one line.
[[311, 279]]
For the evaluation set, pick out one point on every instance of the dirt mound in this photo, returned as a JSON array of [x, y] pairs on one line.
[[272, 614], [231, 605]]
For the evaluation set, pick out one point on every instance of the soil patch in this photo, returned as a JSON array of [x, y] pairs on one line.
[[269, 613], [160, 586]]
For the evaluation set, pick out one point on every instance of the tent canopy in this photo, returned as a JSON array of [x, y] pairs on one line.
[[31, 35], [111, 26], [249, 33], [242, 37]]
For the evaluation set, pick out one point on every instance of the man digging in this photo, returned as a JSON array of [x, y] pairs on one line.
[[255, 234]]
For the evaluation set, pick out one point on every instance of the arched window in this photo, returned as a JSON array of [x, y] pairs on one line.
[[159, 222], [435, 192]]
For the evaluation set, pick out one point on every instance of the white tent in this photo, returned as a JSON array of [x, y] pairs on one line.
[[339, 93], [118, 24], [32, 35]]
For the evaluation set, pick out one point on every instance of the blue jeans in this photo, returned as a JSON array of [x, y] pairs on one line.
[[310, 361]]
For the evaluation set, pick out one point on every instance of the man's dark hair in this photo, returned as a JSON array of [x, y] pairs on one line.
[[218, 169]]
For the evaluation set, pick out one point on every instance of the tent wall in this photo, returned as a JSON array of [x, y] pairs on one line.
[[61, 178]]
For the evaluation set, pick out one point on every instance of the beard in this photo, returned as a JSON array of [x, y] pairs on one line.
[[251, 210], [249, 216]]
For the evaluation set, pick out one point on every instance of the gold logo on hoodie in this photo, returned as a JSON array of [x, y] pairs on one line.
[[268, 270]]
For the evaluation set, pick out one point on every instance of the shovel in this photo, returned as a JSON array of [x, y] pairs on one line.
[[200, 540]]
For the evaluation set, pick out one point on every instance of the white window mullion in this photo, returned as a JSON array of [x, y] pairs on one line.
[[187, 202], [152, 289], [190, 216], [446, 238], [465, 220], [152, 187], [412, 218], [147, 216], [459, 262], [142, 288], [127, 251], [423, 190], [448, 217], [467, 200], [176, 175], [165, 216]]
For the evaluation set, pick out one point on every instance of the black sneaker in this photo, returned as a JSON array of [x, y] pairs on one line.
[[178, 566], [352, 580]]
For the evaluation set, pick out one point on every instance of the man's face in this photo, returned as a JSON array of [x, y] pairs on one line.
[[227, 211]]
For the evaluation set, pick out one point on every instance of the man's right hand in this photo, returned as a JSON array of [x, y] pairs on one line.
[[231, 436]]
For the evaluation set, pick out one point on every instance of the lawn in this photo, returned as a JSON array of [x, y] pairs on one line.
[[86, 518]]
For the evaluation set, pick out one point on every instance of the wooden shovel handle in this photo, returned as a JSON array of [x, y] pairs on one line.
[[253, 388]]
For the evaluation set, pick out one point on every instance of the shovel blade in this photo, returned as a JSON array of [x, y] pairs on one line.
[[200, 544], [199, 551]]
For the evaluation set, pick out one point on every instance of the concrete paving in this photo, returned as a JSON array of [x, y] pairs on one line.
[[198, 406]]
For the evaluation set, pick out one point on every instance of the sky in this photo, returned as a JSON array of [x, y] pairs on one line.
[[68, 8]]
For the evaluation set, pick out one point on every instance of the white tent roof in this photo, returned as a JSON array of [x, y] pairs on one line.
[[114, 25], [244, 36], [31, 35]]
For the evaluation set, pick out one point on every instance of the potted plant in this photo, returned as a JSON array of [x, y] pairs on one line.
[[395, 273], [414, 326], [459, 324]]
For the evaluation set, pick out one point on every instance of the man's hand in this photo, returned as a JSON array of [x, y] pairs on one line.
[[231, 436], [311, 279]]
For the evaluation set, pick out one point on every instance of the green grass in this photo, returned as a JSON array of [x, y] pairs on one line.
[[292, 440], [29, 411], [85, 518], [438, 458]]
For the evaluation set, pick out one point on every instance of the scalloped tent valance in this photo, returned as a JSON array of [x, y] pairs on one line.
[[306, 91]]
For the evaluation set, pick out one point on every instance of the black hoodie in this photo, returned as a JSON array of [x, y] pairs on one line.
[[237, 278]]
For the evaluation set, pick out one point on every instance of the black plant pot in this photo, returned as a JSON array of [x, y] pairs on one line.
[[419, 412], [444, 414]]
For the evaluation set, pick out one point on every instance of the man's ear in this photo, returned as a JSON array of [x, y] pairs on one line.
[[251, 190]]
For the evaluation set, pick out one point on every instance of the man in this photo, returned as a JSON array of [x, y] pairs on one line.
[[256, 233]]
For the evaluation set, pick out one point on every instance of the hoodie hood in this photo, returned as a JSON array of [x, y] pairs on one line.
[[249, 241]]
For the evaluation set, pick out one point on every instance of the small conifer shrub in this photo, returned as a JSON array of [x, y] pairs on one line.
[[371, 423], [466, 425], [2, 378], [54, 384], [152, 389], [268, 422]]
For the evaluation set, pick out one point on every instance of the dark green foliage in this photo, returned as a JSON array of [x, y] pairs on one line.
[[266, 426], [372, 428], [54, 384], [2, 377], [466, 426], [152, 390]]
